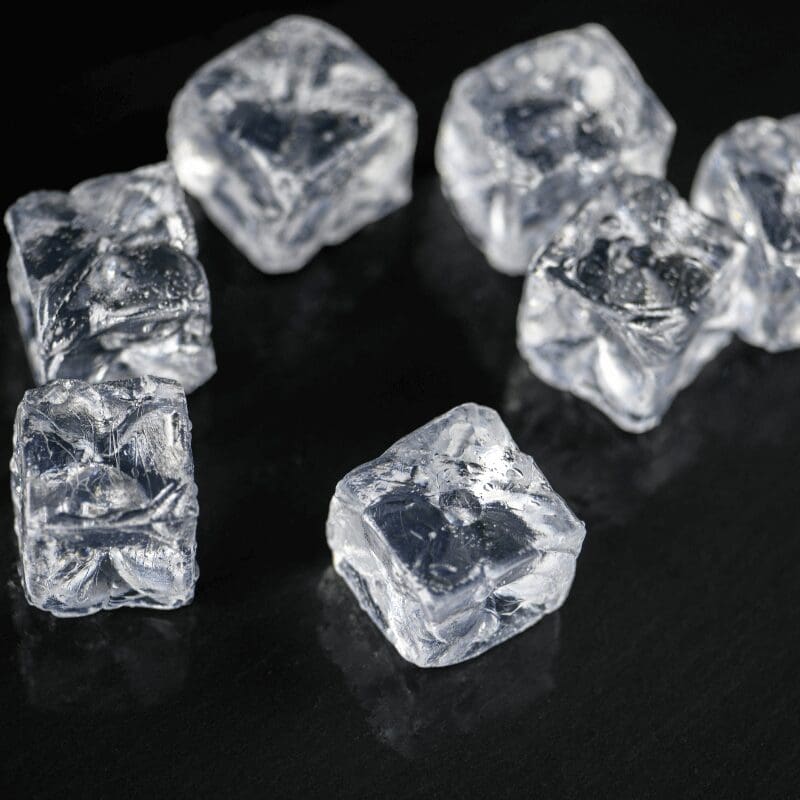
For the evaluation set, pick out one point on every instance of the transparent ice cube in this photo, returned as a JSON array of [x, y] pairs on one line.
[[104, 496], [750, 178], [527, 136], [105, 282], [293, 139], [630, 299], [453, 540]]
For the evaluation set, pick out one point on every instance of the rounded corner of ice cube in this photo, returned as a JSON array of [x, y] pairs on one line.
[[598, 31], [301, 22]]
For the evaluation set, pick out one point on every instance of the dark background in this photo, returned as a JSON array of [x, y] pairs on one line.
[[674, 667]]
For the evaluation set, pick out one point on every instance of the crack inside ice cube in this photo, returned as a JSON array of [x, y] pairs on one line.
[[453, 540], [293, 139], [105, 282], [630, 299], [750, 179], [528, 135], [104, 496]]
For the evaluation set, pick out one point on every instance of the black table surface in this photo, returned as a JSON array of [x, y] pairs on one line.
[[674, 667]]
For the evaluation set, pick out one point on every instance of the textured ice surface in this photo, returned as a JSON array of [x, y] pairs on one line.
[[104, 496], [750, 178], [529, 134], [453, 540], [630, 299], [105, 281], [293, 139]]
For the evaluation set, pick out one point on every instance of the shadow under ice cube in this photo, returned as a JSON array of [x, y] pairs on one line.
[[453, 540], [105, 282], [104, 496], [750, 179], [528, 135], [630, 299], [293, 139]]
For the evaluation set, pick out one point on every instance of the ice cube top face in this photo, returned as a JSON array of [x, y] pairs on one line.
[[453, 540], [526, 136], [750, 178], [104, 496], [293, 139], [105, 282], [630, 299]]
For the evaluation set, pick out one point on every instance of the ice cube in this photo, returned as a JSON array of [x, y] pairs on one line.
[[104, 496], [528, 135], [453, 540], [105, 281], [630, 299], [293, 139], [750, 178]]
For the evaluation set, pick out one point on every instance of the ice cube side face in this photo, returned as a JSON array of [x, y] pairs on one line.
[[526, 137], [453, 540], [104, 496], [105, 282], [630, 300], [750, 179], [291, 140]]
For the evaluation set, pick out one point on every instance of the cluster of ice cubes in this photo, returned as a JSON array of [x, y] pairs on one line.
[[552, 155], [290, 140]]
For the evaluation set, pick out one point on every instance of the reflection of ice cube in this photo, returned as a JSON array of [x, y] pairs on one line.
[[528, 135], [481, 303], [453, 540], [605, 474], [630, 299], [109, 663], [411, 709], [105, 281], [104, 496], [293, 139], [609, 476]]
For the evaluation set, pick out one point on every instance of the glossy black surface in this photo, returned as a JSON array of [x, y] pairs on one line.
[[673, 669]]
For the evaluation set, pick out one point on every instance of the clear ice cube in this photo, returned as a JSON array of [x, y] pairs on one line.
[[630, 300], [453, 540], [291, 140], [527, 136], [750, 178], [104, 496], [105, 282]]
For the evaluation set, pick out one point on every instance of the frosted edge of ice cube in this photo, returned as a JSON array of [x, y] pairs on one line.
[[105, 281], [286, 166], [105, 502], [749, 177], [630, 300], [164, 217], [512, 182], [453, 540]]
